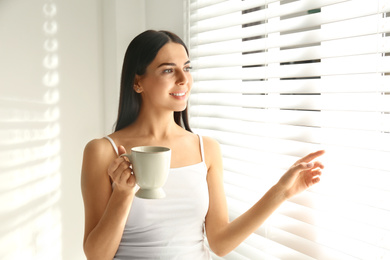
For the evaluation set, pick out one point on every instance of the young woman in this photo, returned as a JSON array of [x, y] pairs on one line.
[[155, 86]]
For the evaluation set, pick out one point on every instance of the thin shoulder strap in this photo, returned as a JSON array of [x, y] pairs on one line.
[[201, 146], [113, 144]]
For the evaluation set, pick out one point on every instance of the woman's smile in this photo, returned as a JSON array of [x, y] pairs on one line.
[[178, 95]]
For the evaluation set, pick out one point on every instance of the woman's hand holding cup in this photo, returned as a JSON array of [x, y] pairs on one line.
[[121, 173]]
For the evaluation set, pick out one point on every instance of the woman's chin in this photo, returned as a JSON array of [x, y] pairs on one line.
[[180, 108]]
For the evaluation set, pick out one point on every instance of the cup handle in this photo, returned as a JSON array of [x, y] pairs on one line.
[[128, 156]]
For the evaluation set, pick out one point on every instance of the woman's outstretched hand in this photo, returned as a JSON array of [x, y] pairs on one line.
[[301, 175]]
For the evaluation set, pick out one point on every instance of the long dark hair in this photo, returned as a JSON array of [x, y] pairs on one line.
[[139, 54]]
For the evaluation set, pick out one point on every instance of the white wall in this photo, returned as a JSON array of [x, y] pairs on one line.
[[51, 105], [45, 120], [81, 94]]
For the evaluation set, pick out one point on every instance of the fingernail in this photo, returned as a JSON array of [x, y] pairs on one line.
[[309, 165]]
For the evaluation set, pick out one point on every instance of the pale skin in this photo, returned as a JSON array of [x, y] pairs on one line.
[[107, 208]]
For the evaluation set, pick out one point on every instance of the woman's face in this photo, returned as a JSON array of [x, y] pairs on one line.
[[167, 81]]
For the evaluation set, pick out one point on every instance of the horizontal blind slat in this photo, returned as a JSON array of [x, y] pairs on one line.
[[194, 5], [327, 102], [327, 67], [225, 7], [365, 83], [332, 119]]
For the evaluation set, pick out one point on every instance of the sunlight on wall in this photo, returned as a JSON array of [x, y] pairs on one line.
[[30, 177]]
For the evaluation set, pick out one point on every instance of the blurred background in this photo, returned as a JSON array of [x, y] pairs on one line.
[[60, 63]]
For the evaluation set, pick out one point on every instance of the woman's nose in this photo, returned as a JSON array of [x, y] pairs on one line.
[[182, 78]]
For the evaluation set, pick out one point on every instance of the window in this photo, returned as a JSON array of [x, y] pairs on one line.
[[275, 80]]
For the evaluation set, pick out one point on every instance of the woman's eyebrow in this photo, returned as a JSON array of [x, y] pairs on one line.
[[166, 64], [171, 64]]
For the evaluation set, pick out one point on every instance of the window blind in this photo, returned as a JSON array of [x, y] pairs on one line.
[[275, 80]]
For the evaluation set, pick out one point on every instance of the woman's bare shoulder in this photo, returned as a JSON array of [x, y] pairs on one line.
[[212, 152], [210, 143], [98, 153], [99, 147]]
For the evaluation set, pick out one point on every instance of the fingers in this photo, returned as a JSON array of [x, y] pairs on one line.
[[316, 172], [310, 165], [315, 168], [318, 165], [303, 166], [121, 150], [125, 175], [315, 181], [119, 170], [311, 156], [313, 176], [115, 164]]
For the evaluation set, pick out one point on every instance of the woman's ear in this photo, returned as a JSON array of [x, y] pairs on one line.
[[137, 88]]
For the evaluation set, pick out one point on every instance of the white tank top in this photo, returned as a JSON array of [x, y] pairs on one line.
[[172, 227]]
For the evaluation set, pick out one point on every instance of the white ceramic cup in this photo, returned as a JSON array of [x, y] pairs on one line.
[[150, 166]]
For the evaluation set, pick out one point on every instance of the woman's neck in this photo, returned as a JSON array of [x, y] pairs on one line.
[[156, 125]]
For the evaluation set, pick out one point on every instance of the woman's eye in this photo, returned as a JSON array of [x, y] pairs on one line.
[[187, 69], [168, 71]]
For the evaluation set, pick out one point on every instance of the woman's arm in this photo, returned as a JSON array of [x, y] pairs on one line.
[[223, 236], [106, 209]]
